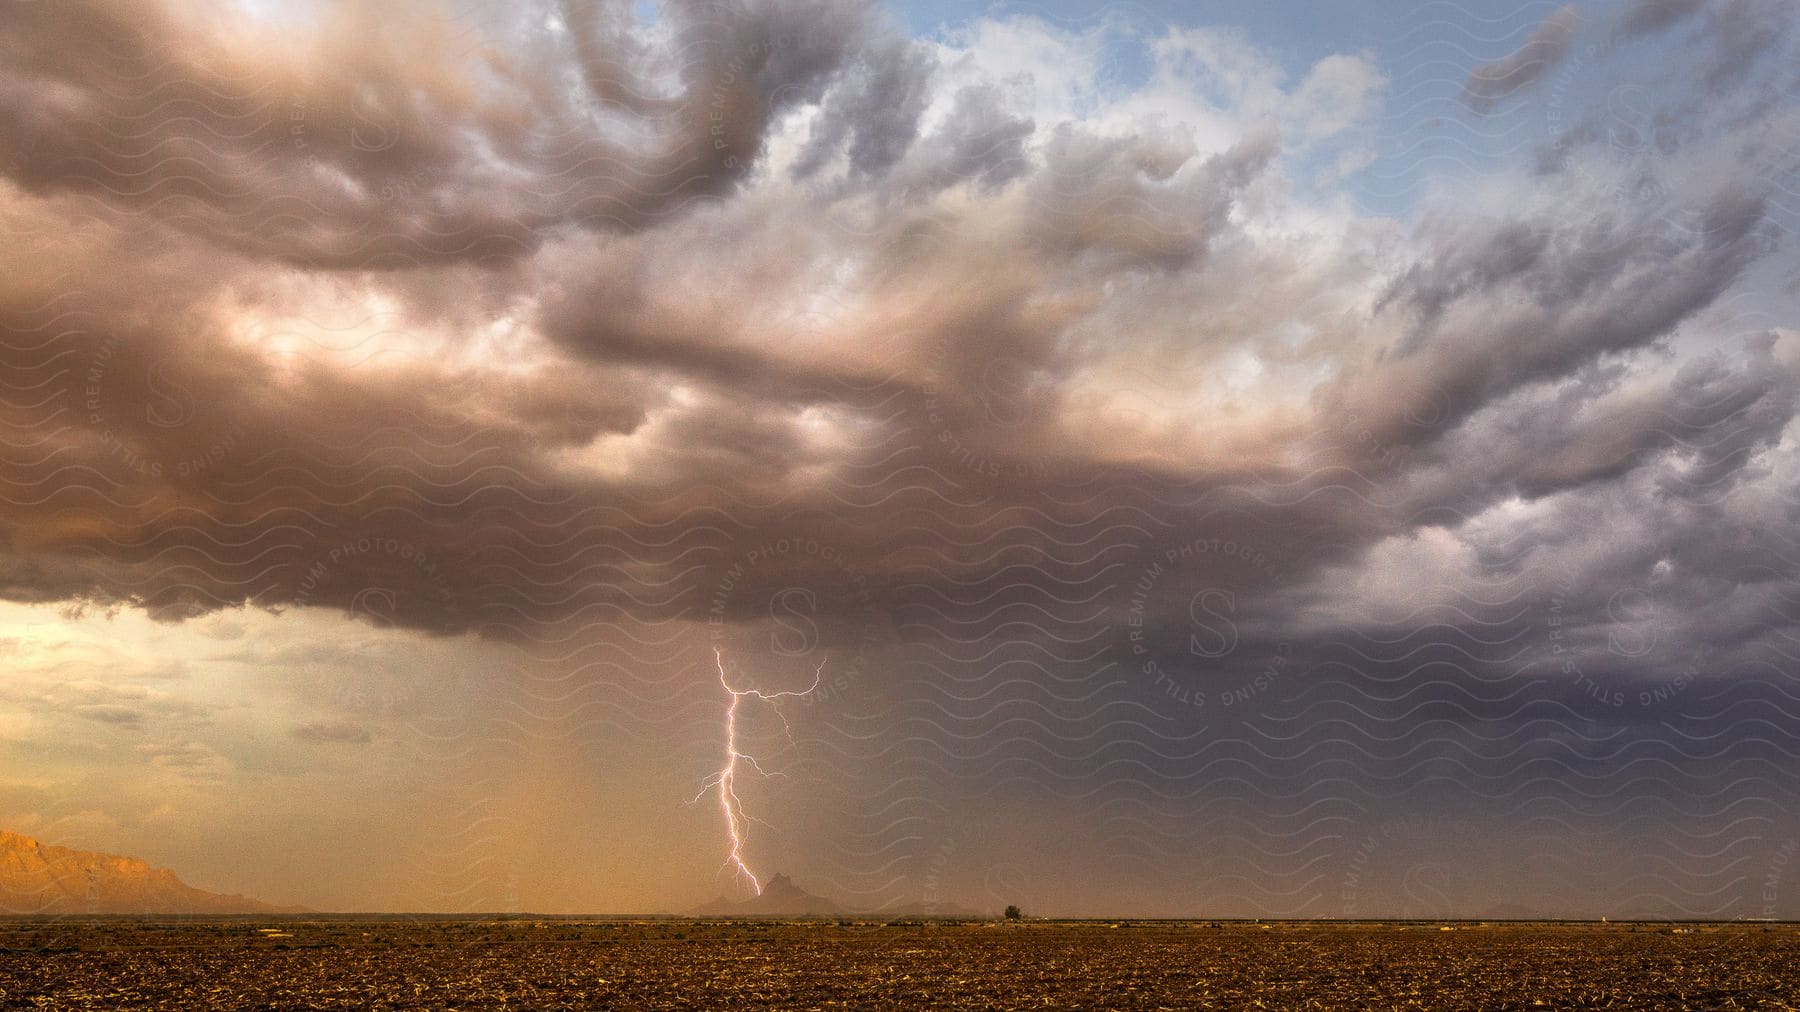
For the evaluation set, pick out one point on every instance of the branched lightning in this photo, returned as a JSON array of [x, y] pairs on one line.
[[725, 780]]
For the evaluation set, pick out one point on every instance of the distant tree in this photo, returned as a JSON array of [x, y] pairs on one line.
[[1012, 913]]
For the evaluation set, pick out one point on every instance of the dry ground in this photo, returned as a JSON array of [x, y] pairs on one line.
[[294, 963]]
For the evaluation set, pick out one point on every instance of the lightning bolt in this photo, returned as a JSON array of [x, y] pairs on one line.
[[725, 780]]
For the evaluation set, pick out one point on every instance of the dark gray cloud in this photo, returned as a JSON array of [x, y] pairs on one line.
[[1742, 33], [387, 491], [1490, 83], [112, 713], [1553, 300], [982, 141], [1646, 16], [872, 116], [332, 733], [369, 143]]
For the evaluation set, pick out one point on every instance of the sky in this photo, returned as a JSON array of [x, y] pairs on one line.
[[1152, 459]]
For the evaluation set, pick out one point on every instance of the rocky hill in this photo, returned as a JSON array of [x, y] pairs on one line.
[[39, 878], [781, 897]]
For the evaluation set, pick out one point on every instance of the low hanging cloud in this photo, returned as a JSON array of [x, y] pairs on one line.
[[1489, 84], [931, 279], [332, 733]]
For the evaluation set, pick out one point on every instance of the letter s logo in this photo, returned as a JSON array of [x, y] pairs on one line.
[[171, 405], [1630, 130], [1630, 608], [792, 610], [375, 128], [377, 604], [1215, 634], [1006, 389]]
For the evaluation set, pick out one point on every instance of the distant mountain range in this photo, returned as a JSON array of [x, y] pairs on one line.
[[39, 878], [782, 897]]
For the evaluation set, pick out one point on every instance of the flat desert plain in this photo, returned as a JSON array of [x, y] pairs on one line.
[[549, 963]]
